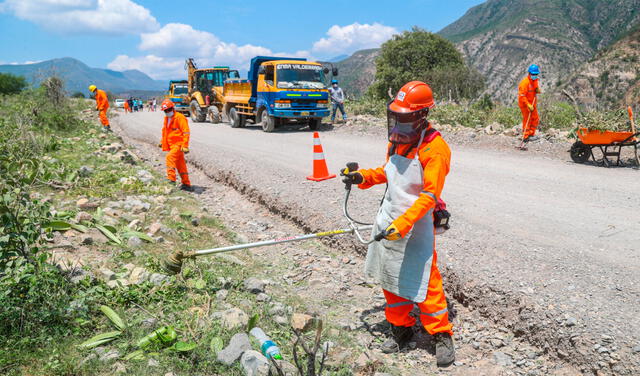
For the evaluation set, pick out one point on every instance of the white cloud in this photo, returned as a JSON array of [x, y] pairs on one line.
[[350, 38], [115, 17], [167, 48], [155, 66]]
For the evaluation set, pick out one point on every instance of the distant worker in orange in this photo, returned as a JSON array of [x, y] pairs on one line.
[[175, 140], [528, 91], [405, 261], [102, 105], [126, 107]]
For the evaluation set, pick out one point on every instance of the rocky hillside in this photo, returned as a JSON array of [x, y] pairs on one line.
[[611, 78], [78, 76], [502, 37], [357, 72]]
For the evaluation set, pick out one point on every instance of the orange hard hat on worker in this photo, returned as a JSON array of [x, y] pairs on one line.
[[407, 112], [413, 96], [167, 104]]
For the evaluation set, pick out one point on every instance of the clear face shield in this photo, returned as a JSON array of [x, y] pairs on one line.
[[405, 128]]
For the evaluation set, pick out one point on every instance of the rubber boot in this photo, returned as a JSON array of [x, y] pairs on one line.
[[400, 336], [187, 188], [445, 350]]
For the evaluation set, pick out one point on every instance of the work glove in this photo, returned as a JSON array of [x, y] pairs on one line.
[[184, 150], [351, 177], [392, 233], [530, 107], [160, 145], [538, 91]]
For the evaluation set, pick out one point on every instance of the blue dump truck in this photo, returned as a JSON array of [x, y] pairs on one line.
[[278, 91]]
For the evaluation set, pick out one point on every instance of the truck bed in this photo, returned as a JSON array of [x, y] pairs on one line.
[[237, 91]]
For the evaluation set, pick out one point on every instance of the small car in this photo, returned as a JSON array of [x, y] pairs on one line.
[[119, 103]]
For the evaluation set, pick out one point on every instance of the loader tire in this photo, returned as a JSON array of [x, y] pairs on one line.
[[214, 115], [196, 112]]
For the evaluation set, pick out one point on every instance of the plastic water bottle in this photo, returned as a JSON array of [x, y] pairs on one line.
[[267, 346]]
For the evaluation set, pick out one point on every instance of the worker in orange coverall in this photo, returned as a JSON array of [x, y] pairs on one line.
[[528, 90], [102, 105], [127, 109], [404, 262], [175, 140]]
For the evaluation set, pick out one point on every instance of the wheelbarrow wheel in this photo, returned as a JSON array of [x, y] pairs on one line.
[[580, 152]]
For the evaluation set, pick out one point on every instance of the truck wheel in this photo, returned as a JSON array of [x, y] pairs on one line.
[[196, 112], [267, 121], [236, 120], [314, 124], [214, 115]]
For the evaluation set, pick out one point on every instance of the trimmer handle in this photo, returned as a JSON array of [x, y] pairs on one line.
[[351, 166], [381, 235]]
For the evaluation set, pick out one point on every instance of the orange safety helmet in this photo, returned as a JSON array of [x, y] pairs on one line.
[[167, 104], [407, 112]]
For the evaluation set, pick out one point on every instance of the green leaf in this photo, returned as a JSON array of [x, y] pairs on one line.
[[109, 234], [253, 321], [113, 316], [183, 346], [58, 226], [136, 355], [141, 235], [216, 345], [100, 339], [78, 227]]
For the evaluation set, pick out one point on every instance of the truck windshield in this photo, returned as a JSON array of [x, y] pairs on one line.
[[179, 90], [300, 76]]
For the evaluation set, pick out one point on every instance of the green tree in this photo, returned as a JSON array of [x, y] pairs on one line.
[[421, 55], [78, 94], [11, 84]]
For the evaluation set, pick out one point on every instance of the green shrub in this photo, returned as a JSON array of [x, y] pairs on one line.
[[366, 105], [455, 114], [506, 116], [11, 84], [557, 115]]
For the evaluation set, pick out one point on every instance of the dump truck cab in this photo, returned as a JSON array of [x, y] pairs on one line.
[[205, 87], [279, 91], [178, 94]]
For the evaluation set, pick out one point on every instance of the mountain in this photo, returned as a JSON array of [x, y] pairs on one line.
[[502, 37], [335, 59], [356, 73], [611, 78], [78, 76]]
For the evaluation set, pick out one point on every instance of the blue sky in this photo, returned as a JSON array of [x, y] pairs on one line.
[[156, 35]]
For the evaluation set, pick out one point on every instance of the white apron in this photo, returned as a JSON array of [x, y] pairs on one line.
[[402, 267]]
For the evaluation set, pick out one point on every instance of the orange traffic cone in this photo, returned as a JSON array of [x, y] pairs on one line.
[[320, 171]]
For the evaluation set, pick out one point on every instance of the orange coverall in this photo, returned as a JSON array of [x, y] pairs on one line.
[[126, 107], [527, 91], [435, 157], [102, 104], [175, 136]]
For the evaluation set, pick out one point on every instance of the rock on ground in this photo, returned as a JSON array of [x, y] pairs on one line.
[[232, 318], [238, 344], [254, 363], [254, 285], [301, 321]]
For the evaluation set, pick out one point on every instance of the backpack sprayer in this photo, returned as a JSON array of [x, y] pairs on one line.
[[173, 264]]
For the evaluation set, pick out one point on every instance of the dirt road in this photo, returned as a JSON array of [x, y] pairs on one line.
[[547, 248]]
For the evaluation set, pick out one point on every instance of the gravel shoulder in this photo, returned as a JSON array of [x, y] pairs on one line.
[[540, 246]]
